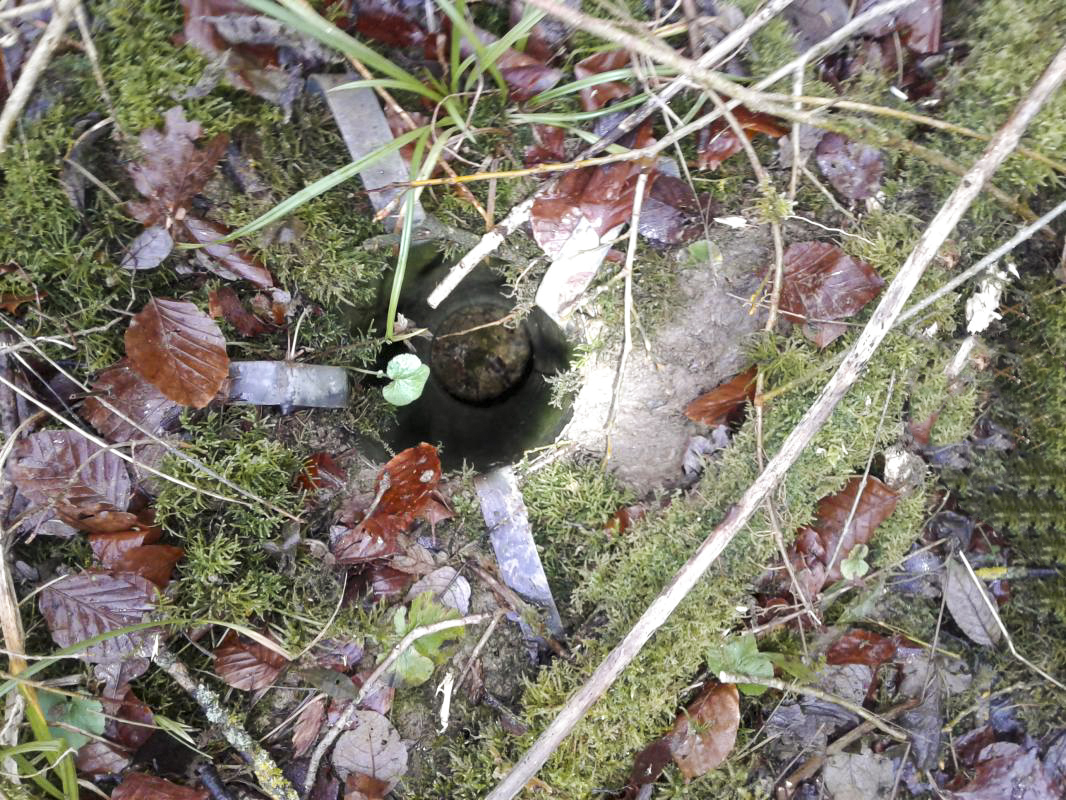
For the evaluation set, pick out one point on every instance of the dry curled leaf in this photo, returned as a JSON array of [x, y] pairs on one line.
[[87, 486], [716, 406], [224, 259], [78, 607], [821, 283], [863, 647], [372, 747], [179, 350], [717, 142], [602, 94], [308, 722], [149, 249], [364, 787], [139, 786], [970, 604], [133, 397], [854, 169], [245, 664], [224, 303], [705, 733]]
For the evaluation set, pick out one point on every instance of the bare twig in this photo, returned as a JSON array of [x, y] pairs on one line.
[[888, 310], [266, 772], [34, 67], [370, 684]]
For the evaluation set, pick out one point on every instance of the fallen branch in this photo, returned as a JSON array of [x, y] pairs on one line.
[[888, 310]]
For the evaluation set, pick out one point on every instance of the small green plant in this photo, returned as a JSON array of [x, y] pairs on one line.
[[407, 378], [854, 566], [415, 665]]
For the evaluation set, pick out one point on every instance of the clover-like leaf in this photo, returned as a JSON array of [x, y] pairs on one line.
[[409, 376], [69, 716], [742, 657], [854, 566]]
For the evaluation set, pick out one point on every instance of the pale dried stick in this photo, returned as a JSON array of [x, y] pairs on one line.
[[94, 59], [888, 310], [34, 67], [25, 9], [370, 684]]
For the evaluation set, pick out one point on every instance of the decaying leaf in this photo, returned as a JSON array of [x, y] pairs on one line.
[[717, 142], [109, 547], [1009, 771], [246, 664], [854, 169], [224, 259], [78, 607], [860, 646], [149, 249], [448, 588], [130, 723], [966, 600], [826, 539], [705, 733], [101, 758], [372, 540], [648, 765], [549, 145], [88, 487], [364, 787], [179, 350], [821, 283], [322, 472], [136, 399], [139, 786], [155, 562], [372, 747], [11, 303], [603, 94], [308, 722], [224, 303], [716, 406], [858, 776], [409, 480]]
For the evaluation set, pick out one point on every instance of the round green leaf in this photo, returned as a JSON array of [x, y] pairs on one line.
[[409, 376], [82, 713]]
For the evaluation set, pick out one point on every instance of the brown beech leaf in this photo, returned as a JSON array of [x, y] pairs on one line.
[[11, 303], [321, 471], [152, 561], [816, 545], [704, 735], [387, 583], [648, 765], [716, 406], [78, 607], [602, 94], [171, 169], [224, 259], [672, 212], [102, 758], [391, 24], [308, 722], [919, 25], [139, 786], [109, 547], [549, 145], [179, 350], [822, 283], [224, 303], [245, 664], [363, 787], [88, 487], [130, 721], [1009, 771], [717, 142], [524, 75], [135, 398], [149, 249], [853, 168], [372, 540], [373, 747], [409, 480], [863, 647]]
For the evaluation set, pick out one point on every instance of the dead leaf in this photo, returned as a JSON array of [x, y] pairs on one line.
[[648, 765], [155, 562], [171, 170], [1012, 773], [965, 599], [858, 776], [88, 487], [704, 735], [672, 212], [109, 547], [448, 588], [821, 283], [718, 405], [919, 25], [130, 721], [372, 747], [717, 142], [602, 94], [363, 787], [78, 607], [179, 350], [308, 722], [816, 544], [135, 398], [370, 541], [11, 303], [320, 472], [149, 249], [139, 786], [854, 169], [549, 145], [863, 647], [224, 303], [524, 75], [814, 20], [409, 480], [102, 758], [224, 259], [245, 664], [386, 582]]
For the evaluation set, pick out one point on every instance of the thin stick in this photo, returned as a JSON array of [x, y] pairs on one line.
[[888, 310], [25, 10], [627, 340], [94, 58], [364, 691], [34, 67], [267, 773]]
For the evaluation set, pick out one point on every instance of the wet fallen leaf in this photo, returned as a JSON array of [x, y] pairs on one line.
[[149, 249], [919, 24], [245, 664], [139, 786], [387, 582], [717, 142], [179, 350], [372, 747], [603, 94], [1012, 772], [305, 729], [171, 169], [11, 303], [854, 169], [672, 213], [224, 259], [135, 398], [102, 758], [78, 607], [370, 541], [409, 480], [224, 303], [390, 23], [322, 472], [549, 145], [364, 787], [718, 405], [648, 765], [860, 646], [966, 600], [705, 733], [813, 20], [109, 547], [524, 75], [821, 283], [827, 539], [155, 562], [87, 486], [130, 721]]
